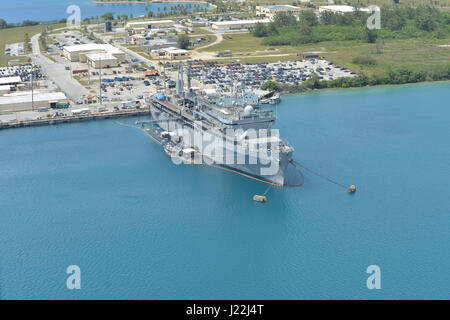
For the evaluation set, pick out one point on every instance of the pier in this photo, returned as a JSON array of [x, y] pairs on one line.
[[68, 119]]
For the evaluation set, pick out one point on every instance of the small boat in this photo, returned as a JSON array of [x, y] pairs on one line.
[[259, 198]]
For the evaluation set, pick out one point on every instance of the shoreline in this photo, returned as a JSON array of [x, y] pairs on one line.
[[144, 111], [308, 90], [146, 1]]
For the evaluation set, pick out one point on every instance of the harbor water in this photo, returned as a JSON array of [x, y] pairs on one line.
[[14, 12], [106, 198]]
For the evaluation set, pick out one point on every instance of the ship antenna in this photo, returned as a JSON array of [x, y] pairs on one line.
[[189, 77]]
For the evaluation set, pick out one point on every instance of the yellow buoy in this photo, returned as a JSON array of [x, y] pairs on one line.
[[259, 198]]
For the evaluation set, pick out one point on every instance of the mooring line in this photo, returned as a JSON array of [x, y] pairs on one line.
[[267, 190], [319, 175]]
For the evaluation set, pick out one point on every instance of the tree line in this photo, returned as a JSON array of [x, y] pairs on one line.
[[26, 23], [396, 23], [401, 75]]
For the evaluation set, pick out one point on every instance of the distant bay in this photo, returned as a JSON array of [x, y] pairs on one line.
[[106, 198], [48, 10]]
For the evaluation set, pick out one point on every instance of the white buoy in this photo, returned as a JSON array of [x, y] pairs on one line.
[[259, 198]]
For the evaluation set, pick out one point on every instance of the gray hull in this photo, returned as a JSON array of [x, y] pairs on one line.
[[281, 173]]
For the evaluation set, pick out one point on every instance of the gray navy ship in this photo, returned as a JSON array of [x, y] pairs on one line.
[[233, 132]]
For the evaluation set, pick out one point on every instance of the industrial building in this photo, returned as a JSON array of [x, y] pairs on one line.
[[176, 54], [102, 60], [309, 55], [10, 81], [24, 101], [108, 26], [170, 53], [138, 26], [5, 89], [80, 52], [198, 22], [236, 25], [341, 9], [270, 11]]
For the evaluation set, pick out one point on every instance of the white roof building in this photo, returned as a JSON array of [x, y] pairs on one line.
[[80, 52], [271, 10], [100, 56], [150, 24], [237, 24], [5, 88], [92, 47], [37, 97], [102, 60], [23, 102], [10, 81], [341, 9]]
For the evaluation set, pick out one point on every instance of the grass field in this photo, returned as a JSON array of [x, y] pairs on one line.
[[14, 35], [417, 53], [246, 43]]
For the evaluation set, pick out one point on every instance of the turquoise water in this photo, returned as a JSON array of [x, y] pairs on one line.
[[106, 198], [47, 10]]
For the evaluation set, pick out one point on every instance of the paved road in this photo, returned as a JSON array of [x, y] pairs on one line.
[[57, 73]]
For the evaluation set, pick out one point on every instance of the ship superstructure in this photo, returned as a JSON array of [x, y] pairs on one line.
[[233, 132]]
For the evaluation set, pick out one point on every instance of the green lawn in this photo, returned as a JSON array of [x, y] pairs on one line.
[[418, 53], [245, 43], [14, 35], [414, 53]]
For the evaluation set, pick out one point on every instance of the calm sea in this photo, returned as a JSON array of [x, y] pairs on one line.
[[47, 10], [106, 198]]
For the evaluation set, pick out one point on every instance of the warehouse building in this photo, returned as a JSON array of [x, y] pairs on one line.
[[236, 25], [176, 54], [271, 11], [102, 60], [341, 9], [138, 26], [10, 81], [309, 55], [170, 53], [80, 52], [4, 89], [24, 101], [108, 26]]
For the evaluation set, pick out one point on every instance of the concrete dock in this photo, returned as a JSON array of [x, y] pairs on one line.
[[68, 119]]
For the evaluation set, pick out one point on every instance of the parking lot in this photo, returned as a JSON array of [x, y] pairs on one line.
[[14, 49], [24, 72], [254, 75]]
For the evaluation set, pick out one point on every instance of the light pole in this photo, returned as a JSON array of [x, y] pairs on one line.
[[32, 87], [100, 97]]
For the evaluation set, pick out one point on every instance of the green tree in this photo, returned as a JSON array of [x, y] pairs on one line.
[[328, 18], [270, 86], [183, 41], [309, 17], [369, 36], [108, 16], [259, 30], [3, 24], [284, 19]]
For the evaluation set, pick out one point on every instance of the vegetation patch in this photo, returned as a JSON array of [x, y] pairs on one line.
[[364, 61]]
